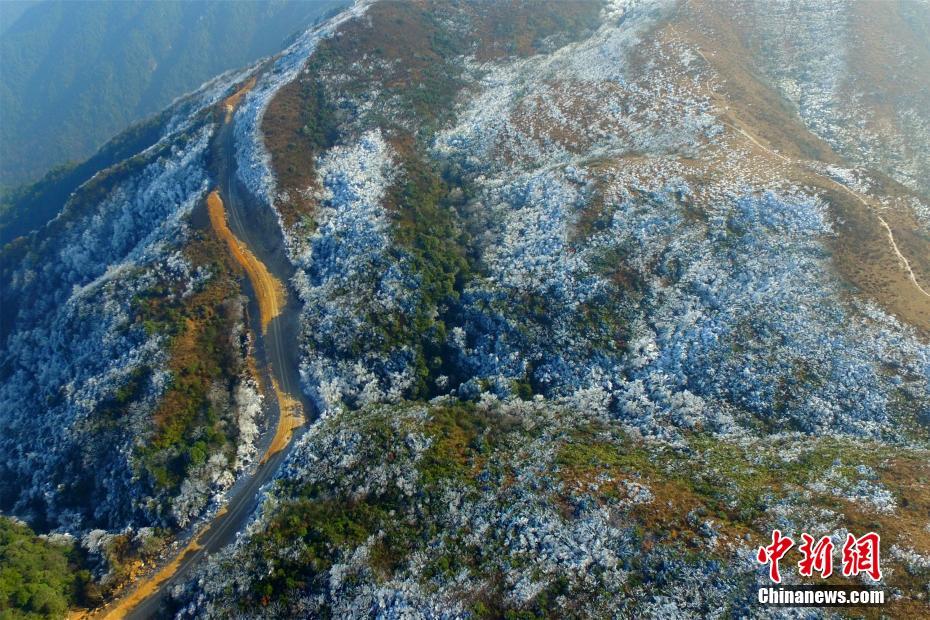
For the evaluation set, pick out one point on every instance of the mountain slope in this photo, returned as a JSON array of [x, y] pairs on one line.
[[12, 10], [581, 302], [636, 229]]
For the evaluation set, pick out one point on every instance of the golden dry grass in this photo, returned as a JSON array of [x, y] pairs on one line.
[[875, 249]]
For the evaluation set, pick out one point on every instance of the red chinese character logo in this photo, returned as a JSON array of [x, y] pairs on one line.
[[861, 556], [817, 557], [774, 552]]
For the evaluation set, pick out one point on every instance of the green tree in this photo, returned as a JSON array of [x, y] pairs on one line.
[[36, 577]]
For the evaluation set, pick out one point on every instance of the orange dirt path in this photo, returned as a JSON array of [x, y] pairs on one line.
[[291, 418], [232, 102], [268, 290], [150, 585], [271, 297]]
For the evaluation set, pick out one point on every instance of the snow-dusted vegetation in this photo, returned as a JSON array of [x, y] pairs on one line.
[[577, 327], [252, 158], [449, 509], [95, 304], [828, 72], [591, 277], [737, 309], [699, 333], [651, 322], [427, 534], [75, 346], [351, 284]]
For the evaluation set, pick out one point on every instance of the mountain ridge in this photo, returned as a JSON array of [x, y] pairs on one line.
[[74, 76], [587, 299]]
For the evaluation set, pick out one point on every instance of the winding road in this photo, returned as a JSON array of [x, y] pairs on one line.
[[254, 239]]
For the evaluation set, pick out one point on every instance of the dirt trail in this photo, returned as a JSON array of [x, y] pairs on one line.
[[232, 102], [150, 585], [291, 417], [142, 599], [271, 297], [735, 125], [269, 291], [902, 260]]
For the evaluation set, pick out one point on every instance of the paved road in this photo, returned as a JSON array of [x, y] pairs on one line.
[[257, 228]]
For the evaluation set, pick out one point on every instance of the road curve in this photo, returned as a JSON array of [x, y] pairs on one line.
[[269, 291], [252, 234]]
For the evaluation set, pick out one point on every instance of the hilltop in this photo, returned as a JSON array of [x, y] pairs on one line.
[[581, 301]]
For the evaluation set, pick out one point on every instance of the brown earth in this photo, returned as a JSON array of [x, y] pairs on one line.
[[290, 419], [875, 250]]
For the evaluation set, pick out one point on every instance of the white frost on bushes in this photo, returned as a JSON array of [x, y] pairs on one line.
[[915, 563], [249, 402], [528, 545], [348, 281], [75, 344], [526, 113], [864, 488], [816, 69], [737, 313], [252, 158]]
